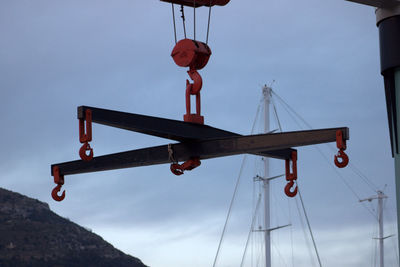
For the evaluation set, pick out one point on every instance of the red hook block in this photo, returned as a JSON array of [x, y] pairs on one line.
[[195, 55], [59, 180], [86, 137], [341, 159]]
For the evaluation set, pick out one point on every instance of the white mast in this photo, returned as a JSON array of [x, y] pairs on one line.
[[380, 237], [267, 99], [267, 93]]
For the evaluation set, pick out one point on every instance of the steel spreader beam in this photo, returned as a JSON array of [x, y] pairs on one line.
[[205, 149], [166, 128]]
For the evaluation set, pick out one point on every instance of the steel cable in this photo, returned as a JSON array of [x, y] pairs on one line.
[[233, 196]]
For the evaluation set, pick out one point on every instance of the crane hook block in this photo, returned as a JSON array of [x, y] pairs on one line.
[[198, 3], [291, 176], [191, 53]]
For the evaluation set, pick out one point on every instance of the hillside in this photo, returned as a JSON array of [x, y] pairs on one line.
[[32, 235]]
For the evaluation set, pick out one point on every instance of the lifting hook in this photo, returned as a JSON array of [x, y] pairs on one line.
[[344, 159], [54, 194], [341, 145], [178, 169], [85, 138], [83, 152], [288, 189], [59, 180], [193, 89], [291, 176]]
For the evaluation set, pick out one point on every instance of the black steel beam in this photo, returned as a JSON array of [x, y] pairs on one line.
[[166, 128], [205, 149]]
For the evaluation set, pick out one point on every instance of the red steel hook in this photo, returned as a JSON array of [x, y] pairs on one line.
[[344, 159], [83, 152], [291, 176], [59, 180], [288, 189], [54, 194], [178, 169], [193, 89], [85, 138], [341, 145]]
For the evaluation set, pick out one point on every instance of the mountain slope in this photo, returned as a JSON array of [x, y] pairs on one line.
[[32, 235]]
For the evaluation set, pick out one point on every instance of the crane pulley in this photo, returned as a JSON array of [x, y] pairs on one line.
[[195, 55]]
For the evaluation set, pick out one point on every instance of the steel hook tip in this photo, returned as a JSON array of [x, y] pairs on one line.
[[54, 193], [288, 189]]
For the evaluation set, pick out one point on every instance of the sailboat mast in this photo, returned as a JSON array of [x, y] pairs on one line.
[[267, 99], [380, 220], [380, 196]]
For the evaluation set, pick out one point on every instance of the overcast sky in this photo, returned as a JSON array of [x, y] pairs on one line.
[[324, 59]]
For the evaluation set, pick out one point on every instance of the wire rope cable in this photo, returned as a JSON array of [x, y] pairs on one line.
[[303, 227], [251, 230], [234, 195], [309, 226], [363, 177], [229, 210], [183, 20], [291, 111], [208, 24], [291, 233], [276, 114], [194, 20], [279, 254], [173, 19]]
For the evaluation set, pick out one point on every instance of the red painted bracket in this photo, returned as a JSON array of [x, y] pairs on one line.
[[291, 176], [86, 137]]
